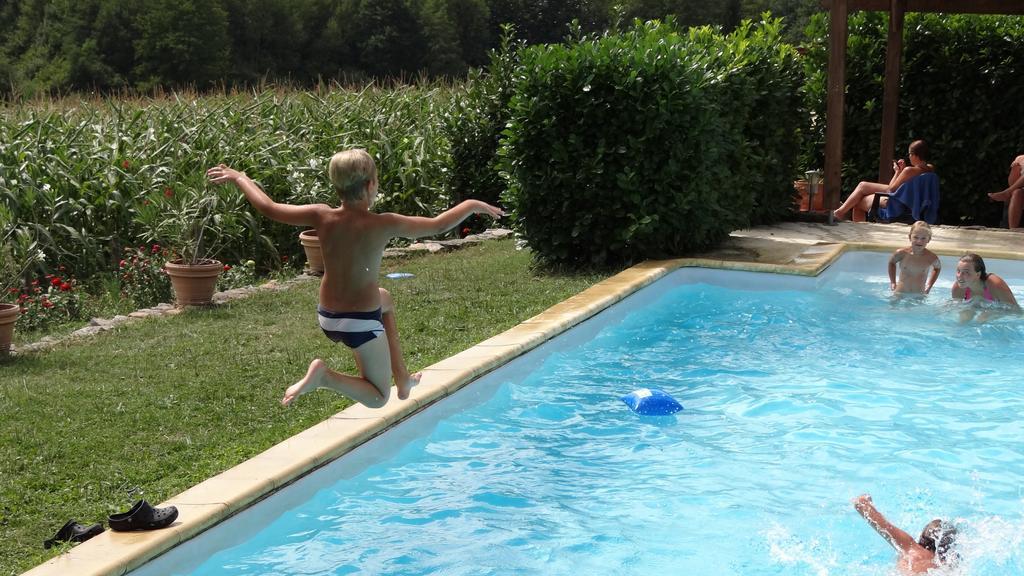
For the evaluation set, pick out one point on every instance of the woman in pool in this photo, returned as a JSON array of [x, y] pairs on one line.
[[916, 164], [973, 283], [933, 549]]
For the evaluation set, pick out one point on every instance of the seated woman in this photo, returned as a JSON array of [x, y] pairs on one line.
[[1014, 193], [861, 197]]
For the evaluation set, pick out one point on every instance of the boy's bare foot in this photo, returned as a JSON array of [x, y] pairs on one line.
[[309, 382], [1000, 196], [405, 385]]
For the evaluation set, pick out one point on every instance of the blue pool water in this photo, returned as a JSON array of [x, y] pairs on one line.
[[799, 394]]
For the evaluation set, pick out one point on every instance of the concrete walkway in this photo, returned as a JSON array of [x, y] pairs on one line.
[[784, 243]]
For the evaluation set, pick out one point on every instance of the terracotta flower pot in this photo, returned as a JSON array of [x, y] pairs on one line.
[[801, 187], [194, 284], [8, 316], [314, 257]]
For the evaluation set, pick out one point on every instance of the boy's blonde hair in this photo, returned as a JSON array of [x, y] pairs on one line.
[[351, 172], [920, 225]]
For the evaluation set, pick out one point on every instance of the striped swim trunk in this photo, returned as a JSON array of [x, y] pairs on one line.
[[353, 329]]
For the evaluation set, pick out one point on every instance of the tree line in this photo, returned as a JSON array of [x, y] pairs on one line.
[[109, 46]]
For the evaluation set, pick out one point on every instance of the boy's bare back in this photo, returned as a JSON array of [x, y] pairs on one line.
[[353, 243]]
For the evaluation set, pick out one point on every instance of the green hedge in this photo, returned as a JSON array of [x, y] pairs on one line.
[[650, 143], [960, 91]]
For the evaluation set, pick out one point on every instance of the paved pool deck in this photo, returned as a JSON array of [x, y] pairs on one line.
[[788, 248]]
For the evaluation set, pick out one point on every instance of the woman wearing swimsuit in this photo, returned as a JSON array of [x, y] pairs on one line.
[[903, 171], [973, 282]]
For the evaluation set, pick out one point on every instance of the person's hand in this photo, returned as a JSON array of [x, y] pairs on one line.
[[863, 501], [892, 286], [492, 211], [221, 173], [899, 165]]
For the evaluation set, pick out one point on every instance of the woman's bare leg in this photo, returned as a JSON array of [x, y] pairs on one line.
[[1014, 208], [862, 191]]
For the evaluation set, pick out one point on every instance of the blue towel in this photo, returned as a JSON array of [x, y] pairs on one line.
[[918, 197]]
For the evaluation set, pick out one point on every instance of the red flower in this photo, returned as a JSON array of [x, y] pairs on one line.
[[13, 290], [168, 192], [55, 281], [465, 231], [47, 304], [156, 248], [284, 258], [35, 282], [145, 202], [122, 264], [64, 287], [226, 267], [126, 164]]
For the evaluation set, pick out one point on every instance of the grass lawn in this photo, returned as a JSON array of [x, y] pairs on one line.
[[156, 406]]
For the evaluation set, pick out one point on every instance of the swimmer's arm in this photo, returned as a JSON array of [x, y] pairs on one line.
[[420, 226], [956, 292], [896, 257], [899, 539], [296, 215], [1003, 293], [936, 268]]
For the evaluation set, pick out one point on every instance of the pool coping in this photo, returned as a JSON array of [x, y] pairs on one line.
[[230, 492]]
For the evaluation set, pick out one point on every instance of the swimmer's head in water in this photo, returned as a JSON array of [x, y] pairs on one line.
[[939, 537], [972, 262]]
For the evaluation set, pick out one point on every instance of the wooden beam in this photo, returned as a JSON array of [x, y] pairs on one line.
[[1009, 7], [891, 93], [835, 95]]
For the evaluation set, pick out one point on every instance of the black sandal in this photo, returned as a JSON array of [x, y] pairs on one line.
[[73, 532], [142, 516]]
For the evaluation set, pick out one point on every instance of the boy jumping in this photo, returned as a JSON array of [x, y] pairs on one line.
[[353, 309]]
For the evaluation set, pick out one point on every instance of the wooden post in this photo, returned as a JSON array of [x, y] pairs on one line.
[[838, 26], [891, 95]]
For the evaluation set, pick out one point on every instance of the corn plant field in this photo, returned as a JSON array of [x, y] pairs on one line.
[[86, 177]]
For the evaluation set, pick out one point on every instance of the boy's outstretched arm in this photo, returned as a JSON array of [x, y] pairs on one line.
[[305, 215], [419, 226], [899, 539]]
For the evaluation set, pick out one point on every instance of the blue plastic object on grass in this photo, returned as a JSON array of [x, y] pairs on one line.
[[399, 275], [651, 402]]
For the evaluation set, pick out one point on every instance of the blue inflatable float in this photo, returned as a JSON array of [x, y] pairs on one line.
[[651, 402]]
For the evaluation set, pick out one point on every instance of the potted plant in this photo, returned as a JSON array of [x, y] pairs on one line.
[[314, 257], [18, 253], [196, 224]]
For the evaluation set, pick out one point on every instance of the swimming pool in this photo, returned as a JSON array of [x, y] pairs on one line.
[[800, 393]]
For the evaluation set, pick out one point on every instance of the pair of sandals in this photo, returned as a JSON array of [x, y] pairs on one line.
[[142, 516]]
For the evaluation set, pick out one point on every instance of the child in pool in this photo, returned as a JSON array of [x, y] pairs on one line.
[[974, 284], [972, 281], [353, 309], [934, 548], [915, 262]]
